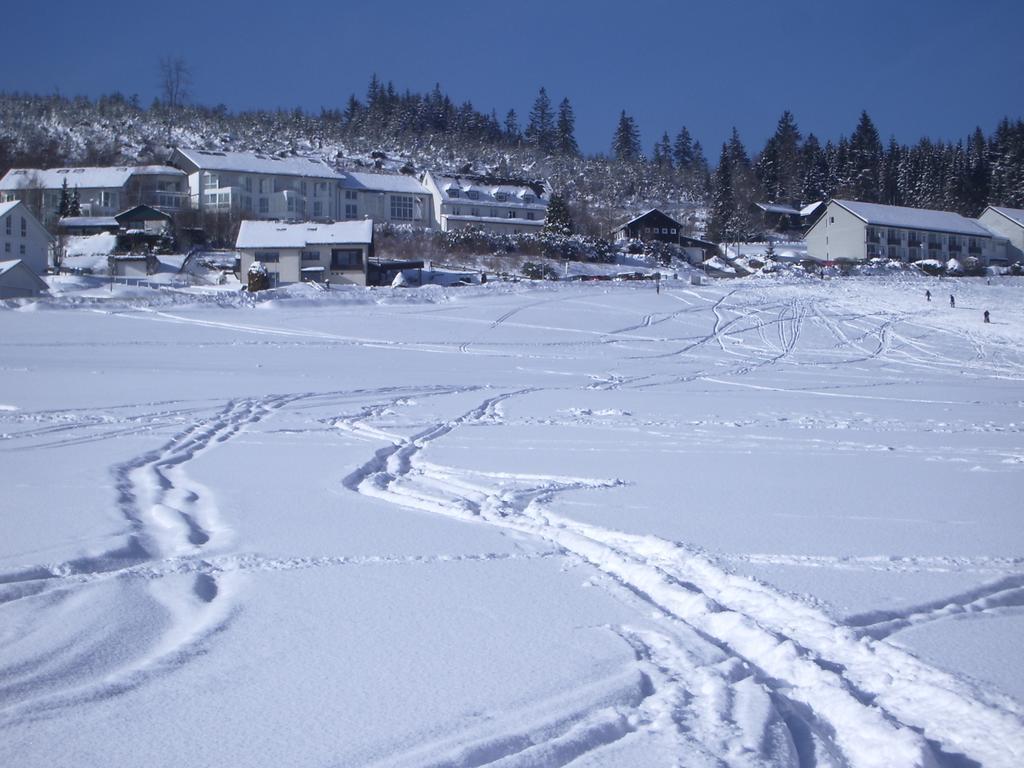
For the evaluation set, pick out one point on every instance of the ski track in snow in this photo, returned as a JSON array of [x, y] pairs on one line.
[[735, 674], [823, 689]]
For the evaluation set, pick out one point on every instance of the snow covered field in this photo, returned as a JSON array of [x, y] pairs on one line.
[[768, 522]]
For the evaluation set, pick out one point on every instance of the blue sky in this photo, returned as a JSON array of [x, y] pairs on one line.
[[932, 68]]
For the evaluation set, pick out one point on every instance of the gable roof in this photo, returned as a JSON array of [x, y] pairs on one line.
[[276, 234], [6, 208], [914, 218], [7, 267], [780, 208], [83, 178], [383, 182], [644, 215], [258, 162], [1016, 215], [140, 212]]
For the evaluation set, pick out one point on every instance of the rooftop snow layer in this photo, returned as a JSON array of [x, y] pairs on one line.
[[914, 218], [257, 162], [383, 182], [83, 178], [6, 207], [1014, 214], [275, 234]]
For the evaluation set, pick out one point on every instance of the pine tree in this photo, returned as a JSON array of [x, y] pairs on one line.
[[64, 206], [890, 188], [865, 160], [565, 130], [722, 225], [682, 150], [512, 134], [540, 130], [813, 171], [626, 141], [75, 207], [778, 167], [558, 220]]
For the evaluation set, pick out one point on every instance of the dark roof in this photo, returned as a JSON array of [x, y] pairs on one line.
[[140, 212], [496, 181], [644, 215]]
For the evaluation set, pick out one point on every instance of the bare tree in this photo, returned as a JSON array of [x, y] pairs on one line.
[[175, 80]]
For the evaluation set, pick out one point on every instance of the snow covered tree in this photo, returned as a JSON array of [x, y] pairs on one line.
[[778, 167], [558, 220], [626, 141], [64, 206], [813, 171], [512, 134], [75, 206], [662, 154], [682, 150], [540, 130], [865, 160], [565, 130], [722, 225]]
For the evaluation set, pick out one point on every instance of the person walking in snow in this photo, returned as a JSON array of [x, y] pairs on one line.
[[928, 295], [952, 301], [986, 316]]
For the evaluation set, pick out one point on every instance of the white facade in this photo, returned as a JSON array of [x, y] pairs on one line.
[[17, 281], [307, 251], [851, 231], [392, 198], [260, 186], [22, 237], [101, 191], [1008, 223], [490, 204]]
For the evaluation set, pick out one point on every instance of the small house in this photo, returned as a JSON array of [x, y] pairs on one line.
[[23, 238], [308, 251], [649, 226], [18, 281], [1007, 223]]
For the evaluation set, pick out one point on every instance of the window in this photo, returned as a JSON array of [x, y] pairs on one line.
[[24, 227], [211, 181], [495, 213], [7, 247], [473, 194], [501, 197], [108, 199], [302, 187], [474, 211], [529, 215], [247, 204], [263, 186], [318, 209], [311, 255], [401, 207], [453, 193], [264, 205], [511, 214], [673, 230], [529, 199], [21, 249], [456, 211], [248, 183], [291, 203], [831, 219], [346, 259], [268, 257], [350, 194], [350, 211]]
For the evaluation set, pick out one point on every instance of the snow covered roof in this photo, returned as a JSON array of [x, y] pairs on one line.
[[5, 208], [914, 218], [488, 188], [383, 182], [113, 177], [810, 208], [21, 266], [1016, 215], [257, 162], [275, 234], [495, 220], [779, 208], [88, 221]]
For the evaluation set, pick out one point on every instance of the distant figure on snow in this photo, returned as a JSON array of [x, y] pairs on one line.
[[928, 295], [952, 301], [986, 316]]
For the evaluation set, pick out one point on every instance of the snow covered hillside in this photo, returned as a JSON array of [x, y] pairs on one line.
[[765, 522]]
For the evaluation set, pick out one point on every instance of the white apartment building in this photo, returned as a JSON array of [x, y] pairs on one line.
[[1008, 223], [100, 191], [851, 231], [511, 206], [259, 185], [23, 238]]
